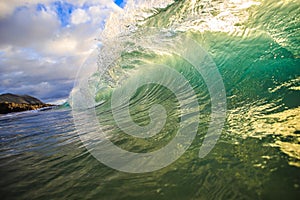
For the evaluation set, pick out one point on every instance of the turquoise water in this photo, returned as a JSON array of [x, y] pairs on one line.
[[43, 157], [255, 47]]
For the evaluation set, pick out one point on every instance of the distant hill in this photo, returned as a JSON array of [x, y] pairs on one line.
[[18, 103], [13, 98]]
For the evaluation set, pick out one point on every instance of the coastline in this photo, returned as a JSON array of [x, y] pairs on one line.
[[11, 103]]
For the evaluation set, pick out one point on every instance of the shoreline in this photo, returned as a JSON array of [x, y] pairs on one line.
[[12, 103]]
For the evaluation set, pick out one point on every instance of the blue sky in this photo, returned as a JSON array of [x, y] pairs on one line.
[[64, 11], [44, 42]]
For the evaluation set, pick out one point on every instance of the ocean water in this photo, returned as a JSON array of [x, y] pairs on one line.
[[254, 47]]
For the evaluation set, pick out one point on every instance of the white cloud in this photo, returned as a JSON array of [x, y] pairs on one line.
[[39, 56], [8, 7], [62, 46], [27, 27], [79, 16]]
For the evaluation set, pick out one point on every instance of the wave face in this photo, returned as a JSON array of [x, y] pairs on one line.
[[255, 47], [254, 44]]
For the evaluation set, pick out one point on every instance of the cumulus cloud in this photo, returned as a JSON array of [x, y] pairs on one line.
[[27, 26], [8, 7], [79, 16], [44, 42]]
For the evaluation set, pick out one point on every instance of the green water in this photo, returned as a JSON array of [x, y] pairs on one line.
[[255, 47]]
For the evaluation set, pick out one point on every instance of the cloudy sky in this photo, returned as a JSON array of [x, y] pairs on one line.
[[44, 42]]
